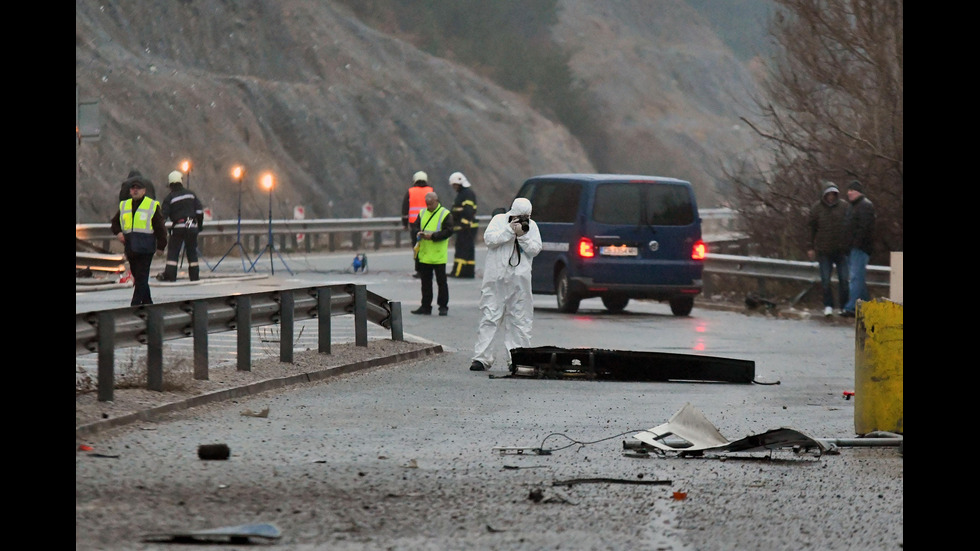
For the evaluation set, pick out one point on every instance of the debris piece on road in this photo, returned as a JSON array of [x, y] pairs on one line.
[[601, 480], [231, 534], [250, 413], [213, 451], [689, 433], [517, 450], [551, 362]]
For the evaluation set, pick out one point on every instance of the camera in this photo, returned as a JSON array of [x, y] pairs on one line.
[[523, 220]]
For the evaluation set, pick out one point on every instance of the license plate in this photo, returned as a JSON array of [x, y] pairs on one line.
[[620, 250]]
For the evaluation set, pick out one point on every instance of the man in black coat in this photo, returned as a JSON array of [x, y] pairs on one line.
[[859, 228], [186, 214], [464, 229], [140, 227], [828, 245]]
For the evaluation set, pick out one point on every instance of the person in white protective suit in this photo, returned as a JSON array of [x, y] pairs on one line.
[[512, 241]]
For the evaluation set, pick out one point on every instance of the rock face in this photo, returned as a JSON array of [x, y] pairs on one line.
[[668, 90], [342, 115]]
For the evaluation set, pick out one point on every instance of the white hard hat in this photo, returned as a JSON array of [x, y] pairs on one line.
[[420, 177], [176, 177], [458, 178]]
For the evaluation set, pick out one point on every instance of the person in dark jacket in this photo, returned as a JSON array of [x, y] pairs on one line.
[[186, 214], [412, 206], [828, 245], [135, 175], [464, 217], [859, 229], [139, 225]]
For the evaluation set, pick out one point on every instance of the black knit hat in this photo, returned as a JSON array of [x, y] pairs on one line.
[[856, 186]]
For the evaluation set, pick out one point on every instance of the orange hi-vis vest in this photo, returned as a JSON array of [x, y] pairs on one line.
[[416, 201]]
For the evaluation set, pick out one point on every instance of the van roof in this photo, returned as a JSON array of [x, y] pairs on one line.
[[610, 177]]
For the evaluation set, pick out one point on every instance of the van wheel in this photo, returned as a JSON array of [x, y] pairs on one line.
[[615, 303], [567, 301], [681, 306]]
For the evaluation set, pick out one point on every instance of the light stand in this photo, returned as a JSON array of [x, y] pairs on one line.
[[238, 173], [271, 247]]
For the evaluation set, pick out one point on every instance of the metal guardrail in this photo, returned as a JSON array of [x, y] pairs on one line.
[[772, 268], [104, 331], [714, 221]]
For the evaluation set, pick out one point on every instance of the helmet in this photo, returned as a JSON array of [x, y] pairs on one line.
[[457, 178], [176, 177], [420, 177]]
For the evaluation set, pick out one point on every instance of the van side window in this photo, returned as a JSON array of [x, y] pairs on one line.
[[643, 203], [555, 202]]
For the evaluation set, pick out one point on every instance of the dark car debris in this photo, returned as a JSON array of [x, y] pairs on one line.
[[552, 362]]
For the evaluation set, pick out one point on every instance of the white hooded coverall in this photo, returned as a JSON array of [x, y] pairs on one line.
[[505, 295]]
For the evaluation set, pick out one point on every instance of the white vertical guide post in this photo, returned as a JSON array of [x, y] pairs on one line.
[[299, 213], [367, 211]]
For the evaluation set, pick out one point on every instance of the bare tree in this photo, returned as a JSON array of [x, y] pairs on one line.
[[832, 111]]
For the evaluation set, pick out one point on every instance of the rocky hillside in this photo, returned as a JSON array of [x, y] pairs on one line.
[[342, 114]]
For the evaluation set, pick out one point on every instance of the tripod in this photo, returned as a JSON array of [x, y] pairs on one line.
[[270, 246], [238, 238]]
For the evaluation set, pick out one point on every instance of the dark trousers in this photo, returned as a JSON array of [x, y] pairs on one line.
[[827, 263], [441, 282], [464, 261], [139, 266], [188, 238]]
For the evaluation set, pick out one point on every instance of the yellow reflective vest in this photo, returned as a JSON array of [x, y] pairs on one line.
[[138, 224], [433, 252]]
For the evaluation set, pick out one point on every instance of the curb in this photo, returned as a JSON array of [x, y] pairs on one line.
[[155, 413]]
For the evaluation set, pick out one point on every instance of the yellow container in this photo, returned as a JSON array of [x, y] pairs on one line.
[[878, 367]]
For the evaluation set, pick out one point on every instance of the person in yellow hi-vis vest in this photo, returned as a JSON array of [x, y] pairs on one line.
[[435, 229], [140, 227]]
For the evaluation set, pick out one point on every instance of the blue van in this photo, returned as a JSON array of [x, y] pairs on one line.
[[616, 237]]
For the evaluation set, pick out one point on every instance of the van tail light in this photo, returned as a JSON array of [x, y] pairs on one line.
[[699, 250], [585, 248]]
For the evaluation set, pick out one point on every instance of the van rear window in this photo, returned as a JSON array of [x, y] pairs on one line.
[[643, 204]]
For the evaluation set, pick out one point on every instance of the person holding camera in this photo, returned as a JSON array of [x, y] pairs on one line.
[[506, 304]]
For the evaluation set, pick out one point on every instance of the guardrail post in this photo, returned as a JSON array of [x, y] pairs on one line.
[[323, 298], [199, 324], [286, 315], [243, 322], [377, 240], [396, 321], [106, 334], [154, 348], [360, 315]]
